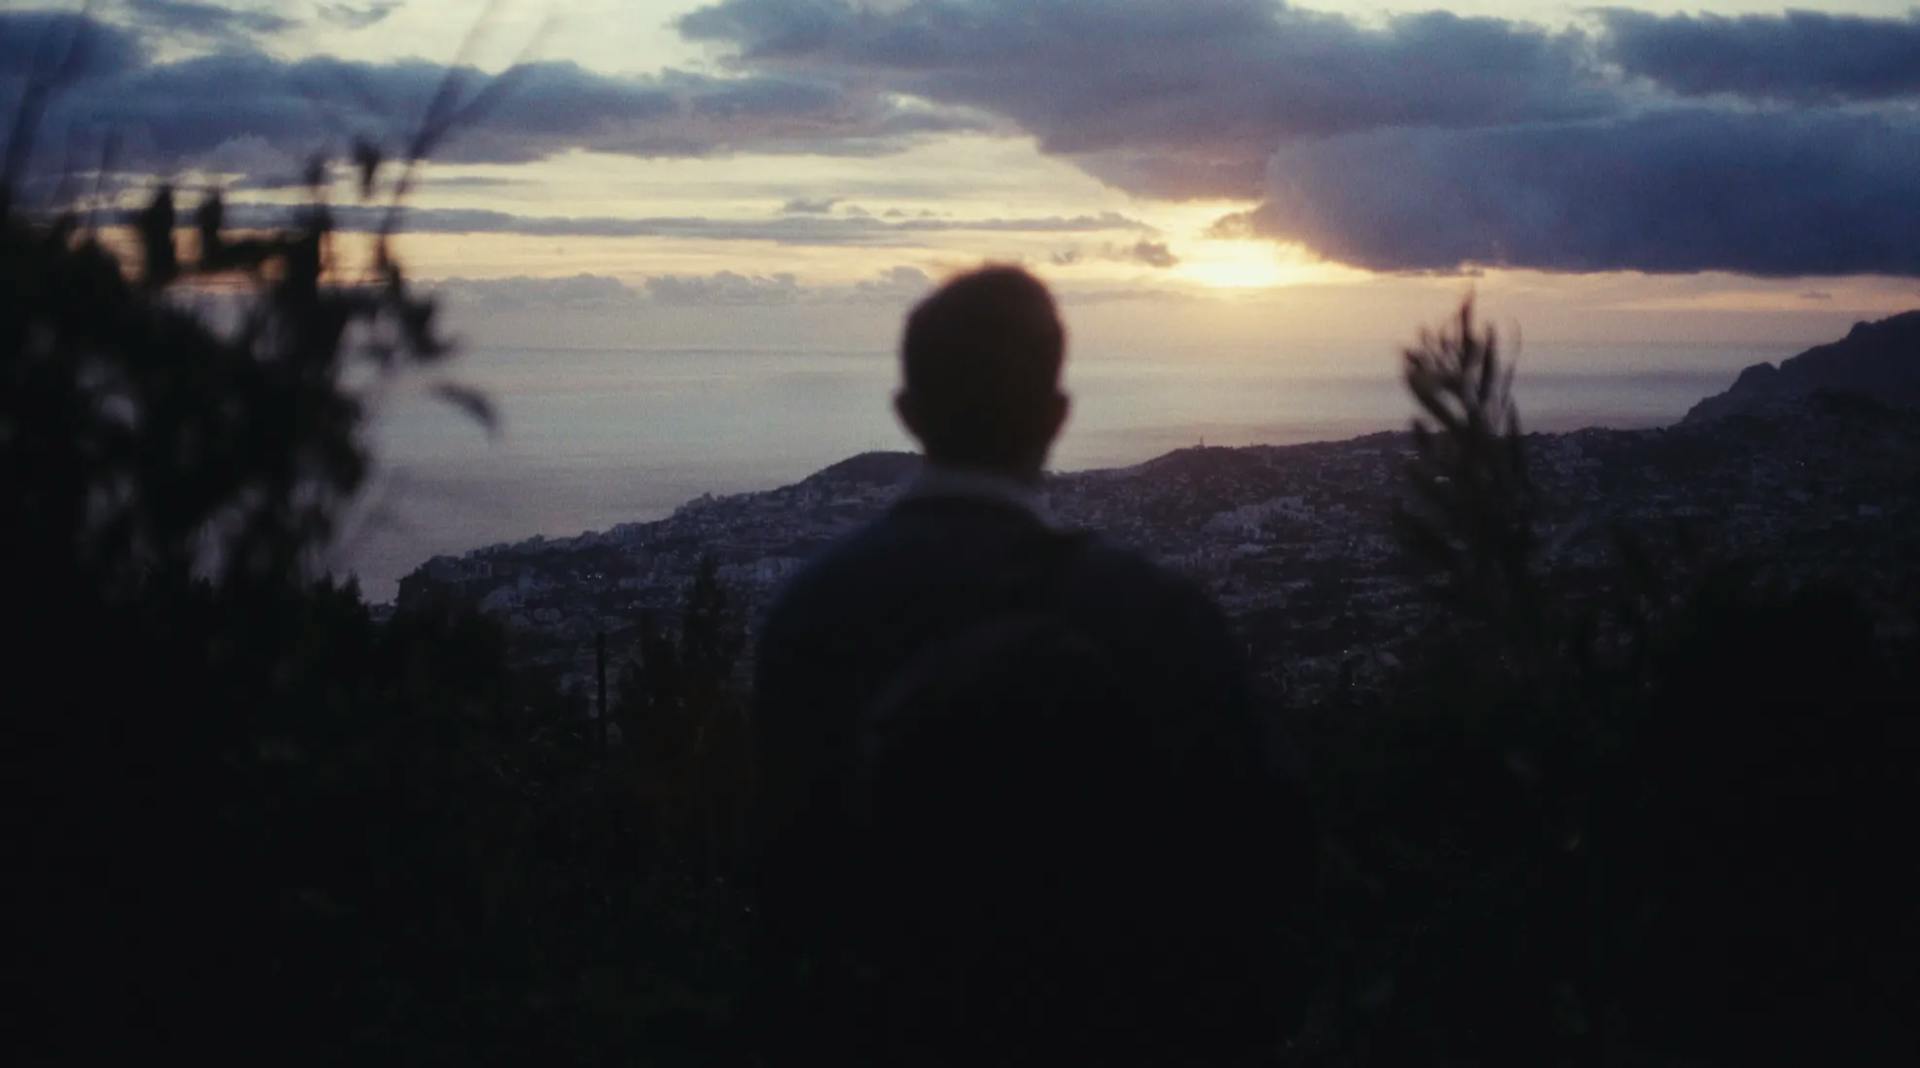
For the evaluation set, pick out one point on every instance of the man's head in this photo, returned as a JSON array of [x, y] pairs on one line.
[[981, 363]]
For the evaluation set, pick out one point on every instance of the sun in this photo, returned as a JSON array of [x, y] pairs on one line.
[[1233, 265], [1212, 259], [1216, 263]]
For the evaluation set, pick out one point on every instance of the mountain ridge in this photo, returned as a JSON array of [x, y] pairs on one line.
[[1879, 359]]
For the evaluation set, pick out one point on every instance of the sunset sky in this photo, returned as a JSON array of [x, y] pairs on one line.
[[1186, 172]]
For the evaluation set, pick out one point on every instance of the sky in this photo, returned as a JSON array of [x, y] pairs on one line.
[[1188, 174]]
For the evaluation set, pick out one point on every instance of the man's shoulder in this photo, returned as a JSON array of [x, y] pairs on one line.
[[866, 546], [1100, 565], [906, 555], [899, 542], [851, 564], [1099, 554], [915, 534]]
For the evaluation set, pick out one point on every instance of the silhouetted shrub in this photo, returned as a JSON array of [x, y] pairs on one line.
[[247, 819], [1638, 831]]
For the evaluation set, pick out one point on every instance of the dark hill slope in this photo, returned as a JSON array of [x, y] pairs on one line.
[[1877, 360]]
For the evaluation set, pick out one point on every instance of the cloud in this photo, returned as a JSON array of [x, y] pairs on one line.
[[1170, 99], [897, 286], [807, 206], [723, 288], [1147, 253], [37, 41], [207, 23], [167, 115], [359, 16], [1422, 142], [268, 166], [471, 181], [1106, 220], [1152, 254], [1798, 56], [1763, 145], [1825, 193], [846, 230], [1234, 226], [575, 292]]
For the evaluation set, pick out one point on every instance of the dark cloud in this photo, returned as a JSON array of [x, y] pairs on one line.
[[1422, 142], [472, 181], [37, 41], [1821, 193], [1170, 99], [169, 115], [844, 230], [1801, 55], [208, 23]]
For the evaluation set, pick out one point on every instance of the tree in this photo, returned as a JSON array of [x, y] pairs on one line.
[[244, 811], [1631, 829], [684, 714], [1471, 513]]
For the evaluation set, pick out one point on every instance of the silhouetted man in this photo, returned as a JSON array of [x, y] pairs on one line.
[[1013, 807]]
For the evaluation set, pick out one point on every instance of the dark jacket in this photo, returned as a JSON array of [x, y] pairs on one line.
[[1177, 924]]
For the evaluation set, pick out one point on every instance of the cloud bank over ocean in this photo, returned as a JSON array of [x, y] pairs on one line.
[[1760, 145], [1768, 145]]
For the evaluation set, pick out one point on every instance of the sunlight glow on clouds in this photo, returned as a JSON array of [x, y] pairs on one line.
[[786, 153]]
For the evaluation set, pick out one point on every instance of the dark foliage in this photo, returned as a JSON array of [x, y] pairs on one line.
[[1643, 829], [248, 820], [682, 716], [1471, 508]]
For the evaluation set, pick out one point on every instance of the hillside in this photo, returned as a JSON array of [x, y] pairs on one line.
[[1880, 360], [1294, 541]]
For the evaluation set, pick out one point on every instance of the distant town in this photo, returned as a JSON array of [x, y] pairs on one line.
[[1295, 542]]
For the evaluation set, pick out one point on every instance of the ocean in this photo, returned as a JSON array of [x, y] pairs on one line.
[[589, 438]]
